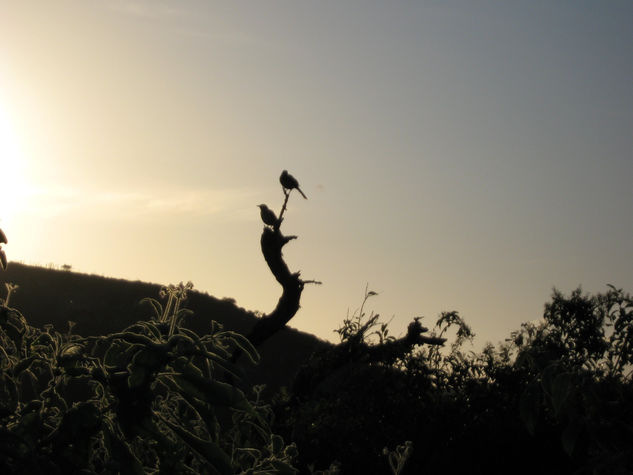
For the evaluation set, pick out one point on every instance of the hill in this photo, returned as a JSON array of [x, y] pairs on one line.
[[101, 305]]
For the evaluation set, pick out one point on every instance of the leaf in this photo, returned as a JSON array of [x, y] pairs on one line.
[[190, 368], [152, 359], [221, 362], [229, 368], [216, 392], [245, 456], [24, 365], [191, 334], [156, 306], [119, 354], [213, 454], [186, 389], [71, 352], [182, 313], [53, 399], [152, 328], [245, 345], [133, 338], [13, 330], [184, 343], [291, 451], [194, 397]]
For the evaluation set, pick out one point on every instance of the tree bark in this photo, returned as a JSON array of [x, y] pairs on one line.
[[272, 243]]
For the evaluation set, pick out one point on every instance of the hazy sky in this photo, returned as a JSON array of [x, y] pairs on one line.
[[458, 155]]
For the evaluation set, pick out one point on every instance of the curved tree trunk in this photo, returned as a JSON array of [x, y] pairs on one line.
[[272, 242]]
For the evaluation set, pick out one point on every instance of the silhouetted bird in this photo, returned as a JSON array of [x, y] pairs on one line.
[[290, 183], [268, 215]]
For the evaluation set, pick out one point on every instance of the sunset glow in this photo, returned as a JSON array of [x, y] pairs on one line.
[[455, 155], [13, 170]]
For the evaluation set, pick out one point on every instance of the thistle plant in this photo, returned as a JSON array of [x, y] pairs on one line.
[[136, 401], [171, 313], [11, 287]]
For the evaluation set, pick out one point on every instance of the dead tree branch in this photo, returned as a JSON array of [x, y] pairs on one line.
[[272, 242]]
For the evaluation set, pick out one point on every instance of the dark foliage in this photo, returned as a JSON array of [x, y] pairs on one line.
[[153, 398], [556, 398]]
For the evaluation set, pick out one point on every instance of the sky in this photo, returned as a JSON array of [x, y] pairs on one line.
[[457, 155]]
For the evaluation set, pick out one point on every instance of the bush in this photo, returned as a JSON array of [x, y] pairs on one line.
[[557, 397], [154, 397]]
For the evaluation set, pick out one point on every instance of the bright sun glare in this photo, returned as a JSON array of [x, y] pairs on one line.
[[12, 171]]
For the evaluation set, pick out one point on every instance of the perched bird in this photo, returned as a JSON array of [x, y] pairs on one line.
[[290, 183], [268, 215]]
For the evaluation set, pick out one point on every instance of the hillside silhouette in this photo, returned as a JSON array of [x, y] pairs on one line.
[[101, 305]]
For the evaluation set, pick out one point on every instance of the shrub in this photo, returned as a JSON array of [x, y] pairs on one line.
[[154, 397]]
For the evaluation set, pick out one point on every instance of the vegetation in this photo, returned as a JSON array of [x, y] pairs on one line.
[[153, 397], [174, 392], [100, 306], [555, 398]]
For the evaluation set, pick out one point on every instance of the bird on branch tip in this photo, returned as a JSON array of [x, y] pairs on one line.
[[290, 183], [268, 215]]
